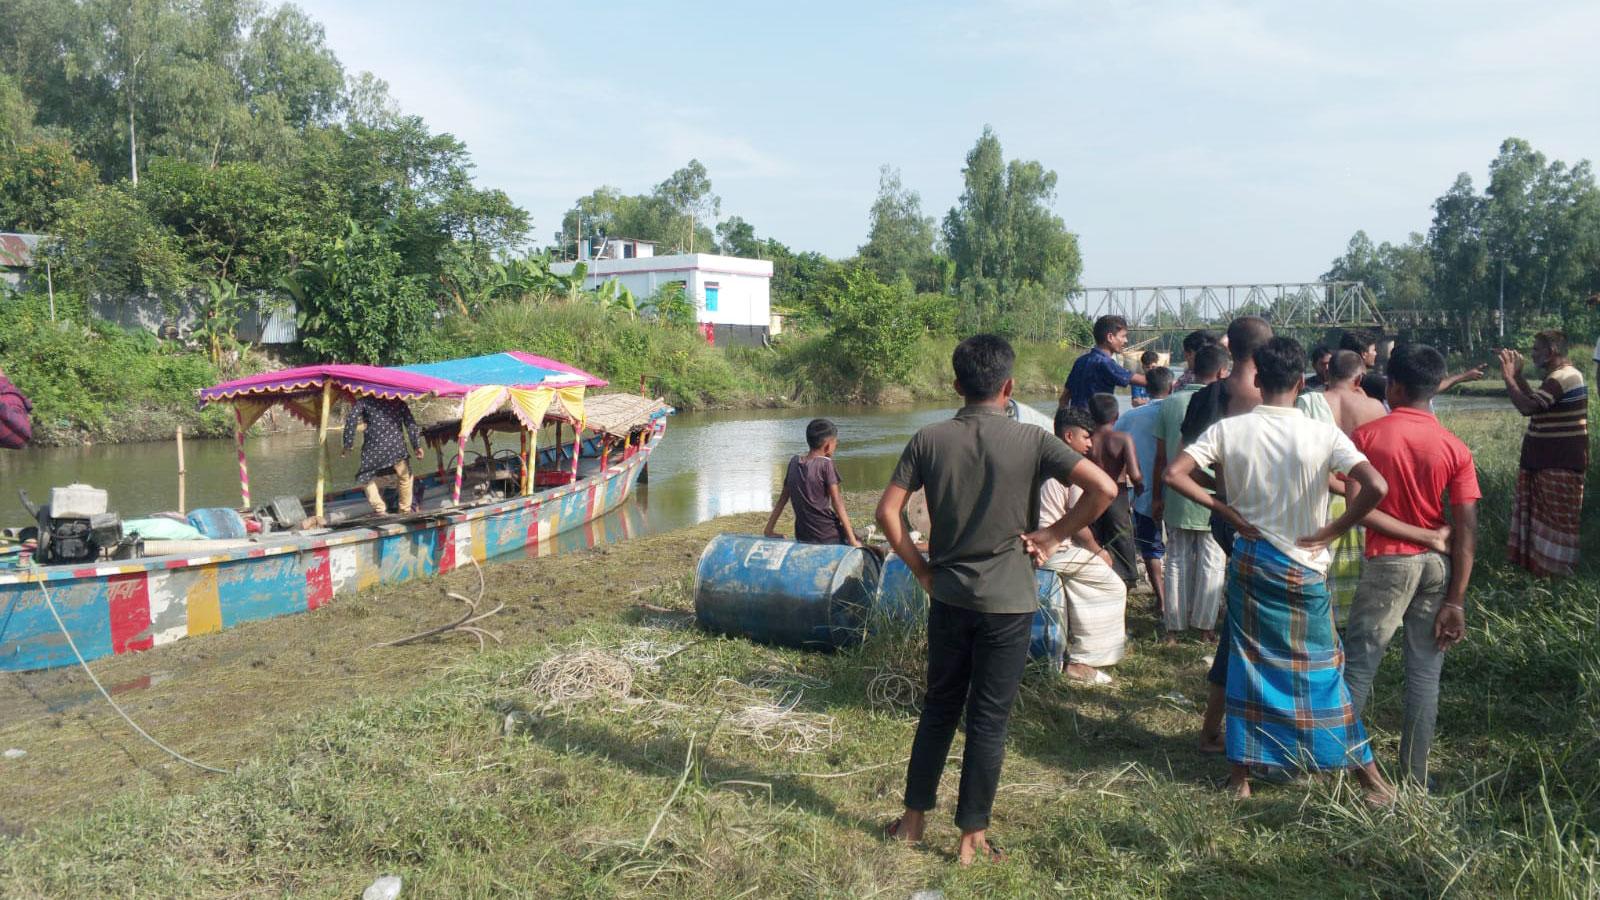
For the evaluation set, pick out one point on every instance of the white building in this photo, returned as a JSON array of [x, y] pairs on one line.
[[731, 294]]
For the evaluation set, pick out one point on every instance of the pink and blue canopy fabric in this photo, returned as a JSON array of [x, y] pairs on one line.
[[451, 378]]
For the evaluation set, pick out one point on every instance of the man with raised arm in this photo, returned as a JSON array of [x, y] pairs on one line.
[[981, 471], [1546, 511], [1098, 372]]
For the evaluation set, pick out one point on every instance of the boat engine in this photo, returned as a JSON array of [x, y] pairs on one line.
[[74, 526]]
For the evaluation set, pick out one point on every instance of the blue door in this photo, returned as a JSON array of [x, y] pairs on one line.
[[711, 296]]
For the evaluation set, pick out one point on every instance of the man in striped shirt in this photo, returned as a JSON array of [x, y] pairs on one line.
[[1555, 453]]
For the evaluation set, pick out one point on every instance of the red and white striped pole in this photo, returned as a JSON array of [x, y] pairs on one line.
[[244, 469]]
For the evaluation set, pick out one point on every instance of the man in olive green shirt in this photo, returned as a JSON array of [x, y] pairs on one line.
[[981, 472], [1196, 569]]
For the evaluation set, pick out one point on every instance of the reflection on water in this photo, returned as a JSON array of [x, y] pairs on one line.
[[710, 464]]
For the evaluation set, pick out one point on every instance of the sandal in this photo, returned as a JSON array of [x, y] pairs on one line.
[[995, 854]]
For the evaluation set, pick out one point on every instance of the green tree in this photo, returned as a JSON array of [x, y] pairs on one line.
[[35, 180], [1460, 257], [356, 304], [106, 244], [899, 237], [1003, 237], [1540, 218], [674, 214], [686, 195], [16, 115], [238, 222], [736, 237], [123, 49], [875, 326], [1397, 274]]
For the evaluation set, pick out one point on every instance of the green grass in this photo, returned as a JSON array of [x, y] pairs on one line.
[[660, 792]]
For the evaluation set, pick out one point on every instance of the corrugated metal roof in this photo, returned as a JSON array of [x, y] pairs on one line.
[[16, 250]]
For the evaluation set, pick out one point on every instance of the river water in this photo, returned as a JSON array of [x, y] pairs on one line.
[[709, 464]]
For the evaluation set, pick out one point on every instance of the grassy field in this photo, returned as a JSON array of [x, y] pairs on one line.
[[612, 750]]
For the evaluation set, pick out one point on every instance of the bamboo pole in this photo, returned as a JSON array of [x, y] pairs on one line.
[[182, 479], [524, 433], [322, 444]]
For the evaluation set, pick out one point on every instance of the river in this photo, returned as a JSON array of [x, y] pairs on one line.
[[709, 464]]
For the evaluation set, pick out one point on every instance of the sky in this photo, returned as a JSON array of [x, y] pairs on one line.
[[1195, 142]]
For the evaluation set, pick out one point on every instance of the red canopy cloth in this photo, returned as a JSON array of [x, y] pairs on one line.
[[450, 378]]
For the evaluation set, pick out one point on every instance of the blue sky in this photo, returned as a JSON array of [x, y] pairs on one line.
[[1195, 142]]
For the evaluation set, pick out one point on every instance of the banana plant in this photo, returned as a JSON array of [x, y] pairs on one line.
[[219, 317], [615, 296]]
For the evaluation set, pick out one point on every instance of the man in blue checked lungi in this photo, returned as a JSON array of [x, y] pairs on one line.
[[1287, 703]]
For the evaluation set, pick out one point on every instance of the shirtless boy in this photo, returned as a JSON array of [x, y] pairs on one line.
[[1352, 407], [1114, 452]]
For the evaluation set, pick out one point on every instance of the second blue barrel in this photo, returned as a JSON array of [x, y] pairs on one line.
[[900, 598], [813, 596]]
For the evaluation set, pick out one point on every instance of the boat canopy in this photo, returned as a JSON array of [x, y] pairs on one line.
[[529, 384]]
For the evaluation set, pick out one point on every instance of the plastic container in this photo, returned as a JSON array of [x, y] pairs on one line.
[[77, 501], [899, 597], [813, 596], [1049, 639], [218, 523]]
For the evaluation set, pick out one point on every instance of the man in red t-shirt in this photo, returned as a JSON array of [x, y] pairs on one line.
[[1417, 564]]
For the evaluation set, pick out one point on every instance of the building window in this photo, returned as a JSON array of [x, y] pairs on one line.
[[711, 296]]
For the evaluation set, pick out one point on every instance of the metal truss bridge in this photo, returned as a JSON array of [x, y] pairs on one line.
[[1309, 304]]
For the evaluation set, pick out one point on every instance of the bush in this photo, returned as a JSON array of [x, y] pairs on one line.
[[90, 379], [357, 306], [875, 326]]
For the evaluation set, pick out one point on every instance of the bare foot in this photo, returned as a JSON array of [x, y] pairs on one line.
[[1211, 743], [1087, 674], [1208, 636], [1376, 791], [908, 828], [1171, 640], [975, 846], [1239, 786]]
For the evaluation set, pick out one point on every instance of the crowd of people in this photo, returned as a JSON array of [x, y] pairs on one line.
[[1299, 523]]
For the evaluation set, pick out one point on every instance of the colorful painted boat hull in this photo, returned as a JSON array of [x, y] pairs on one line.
[[127, 607]]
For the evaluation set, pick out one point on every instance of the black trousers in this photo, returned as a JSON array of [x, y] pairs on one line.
[[975, 661], [1114, 531]]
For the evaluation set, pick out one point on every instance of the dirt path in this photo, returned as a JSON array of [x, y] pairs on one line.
[[221, 697]]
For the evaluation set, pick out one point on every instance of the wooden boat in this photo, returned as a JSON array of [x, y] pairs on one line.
[[517, 505]]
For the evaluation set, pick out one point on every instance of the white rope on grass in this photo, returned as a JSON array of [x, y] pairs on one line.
[[106, 694]]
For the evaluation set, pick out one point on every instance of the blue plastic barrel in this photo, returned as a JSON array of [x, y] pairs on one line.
[[900, 598], [775, 591], [1049, 623]]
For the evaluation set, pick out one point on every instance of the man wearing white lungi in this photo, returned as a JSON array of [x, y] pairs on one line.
[[1097, 599]]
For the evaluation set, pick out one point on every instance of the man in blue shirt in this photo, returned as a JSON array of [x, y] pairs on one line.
[[1140, 424], [1098, 372]]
